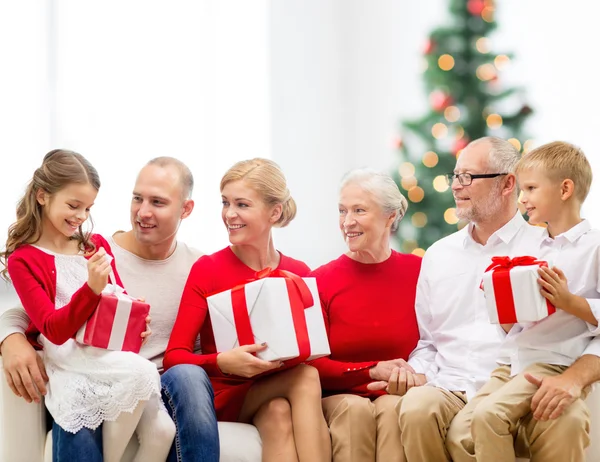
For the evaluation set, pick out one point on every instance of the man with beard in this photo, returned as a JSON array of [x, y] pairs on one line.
[[458, 346]]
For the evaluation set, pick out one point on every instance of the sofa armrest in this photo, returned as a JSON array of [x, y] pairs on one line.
[[22, 426]]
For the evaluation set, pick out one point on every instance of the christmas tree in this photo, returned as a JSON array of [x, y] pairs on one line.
[[467, 101]]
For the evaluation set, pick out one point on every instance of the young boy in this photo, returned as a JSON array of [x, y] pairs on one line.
[[555, 180]]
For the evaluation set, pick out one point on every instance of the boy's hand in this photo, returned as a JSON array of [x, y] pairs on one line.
[[554, 287]]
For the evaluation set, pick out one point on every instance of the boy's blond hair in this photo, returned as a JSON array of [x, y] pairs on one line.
[[560, 161]]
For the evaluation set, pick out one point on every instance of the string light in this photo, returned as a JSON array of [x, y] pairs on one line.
[[409, 245], [452, 113], [486, 72], [430, 159], [419, 219], [527, 146], [483, 45], [408, 183], [516, 143], [416, 194], [460, 132], [439, 131], [446, 62], [494, 121], [501, 61], [440, 184], [418, 252], [406, 170], [488, 14], [450, 216]]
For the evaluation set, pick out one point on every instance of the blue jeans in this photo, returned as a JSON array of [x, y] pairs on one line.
[[85, 445], [188, 396]]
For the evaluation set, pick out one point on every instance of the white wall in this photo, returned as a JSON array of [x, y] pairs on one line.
[[319, 85]]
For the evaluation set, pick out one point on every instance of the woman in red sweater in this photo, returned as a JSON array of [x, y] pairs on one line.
[[284, 404], [368, 297]]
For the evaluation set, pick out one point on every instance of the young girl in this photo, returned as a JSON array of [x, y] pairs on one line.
[[59, 272]]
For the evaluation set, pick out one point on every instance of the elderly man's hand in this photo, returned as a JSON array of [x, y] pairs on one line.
[[401, 380], [555, 394], [24, 369]]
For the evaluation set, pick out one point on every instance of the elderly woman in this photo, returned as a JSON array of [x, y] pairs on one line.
[[368, 297]]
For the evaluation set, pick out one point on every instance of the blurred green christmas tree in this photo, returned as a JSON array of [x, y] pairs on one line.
[[467, 101]]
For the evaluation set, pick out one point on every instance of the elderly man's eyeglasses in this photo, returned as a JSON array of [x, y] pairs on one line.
[[465, 179]]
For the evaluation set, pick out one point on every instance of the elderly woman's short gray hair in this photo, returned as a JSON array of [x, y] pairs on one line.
[[383, 187]]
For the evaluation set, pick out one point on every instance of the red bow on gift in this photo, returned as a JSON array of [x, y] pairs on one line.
[[505, 304], [300, 298], [507, 262]]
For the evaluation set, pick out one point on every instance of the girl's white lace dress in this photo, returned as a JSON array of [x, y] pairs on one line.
[[88, 385]]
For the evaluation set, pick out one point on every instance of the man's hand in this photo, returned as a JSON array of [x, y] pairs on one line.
[[148, 331], [383, 369], [24, 369], [554, 395]]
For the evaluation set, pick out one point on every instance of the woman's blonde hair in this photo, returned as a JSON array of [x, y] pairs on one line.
[[59, 169], [266, 178]]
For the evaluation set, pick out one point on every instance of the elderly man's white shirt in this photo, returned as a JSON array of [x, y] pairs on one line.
[[561, 338], [458, 347]]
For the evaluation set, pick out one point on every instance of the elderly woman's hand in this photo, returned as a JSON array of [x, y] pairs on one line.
[[383, 369]]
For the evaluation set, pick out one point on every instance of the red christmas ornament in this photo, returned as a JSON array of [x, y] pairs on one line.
[[525, 110], [475, 7], [459, 145], [440, 100], [429, 47]]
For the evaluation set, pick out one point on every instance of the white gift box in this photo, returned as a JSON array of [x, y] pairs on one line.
[[512, 293], [270, 315]]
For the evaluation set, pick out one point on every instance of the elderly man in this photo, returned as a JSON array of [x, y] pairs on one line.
[[153, 265], [458, 345]]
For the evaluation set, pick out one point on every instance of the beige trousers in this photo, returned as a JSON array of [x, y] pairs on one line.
[[498, 420], [425, 414], [363, 430]]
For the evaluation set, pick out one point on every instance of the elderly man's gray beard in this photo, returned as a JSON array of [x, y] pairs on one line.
[[483, 211]]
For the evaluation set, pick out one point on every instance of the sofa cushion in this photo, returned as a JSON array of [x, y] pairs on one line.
[[239, 443]]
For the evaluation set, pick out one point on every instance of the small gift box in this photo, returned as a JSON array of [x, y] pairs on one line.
[[279, 308], [117, 323], [512, 293]]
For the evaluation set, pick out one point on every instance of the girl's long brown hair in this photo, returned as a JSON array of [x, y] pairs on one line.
[[59, 169]]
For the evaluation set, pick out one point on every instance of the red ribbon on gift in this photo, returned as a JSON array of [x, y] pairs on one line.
[[505, 304], [300, 298]]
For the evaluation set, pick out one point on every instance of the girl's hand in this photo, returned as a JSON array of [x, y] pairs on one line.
[[240, 361], [148, 331], [98, 270]]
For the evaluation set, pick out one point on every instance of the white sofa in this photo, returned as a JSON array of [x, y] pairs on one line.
[[23, 436]]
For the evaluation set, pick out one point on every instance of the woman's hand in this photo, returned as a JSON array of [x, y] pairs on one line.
[[98, 270], [383, 369], [240, 361]]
